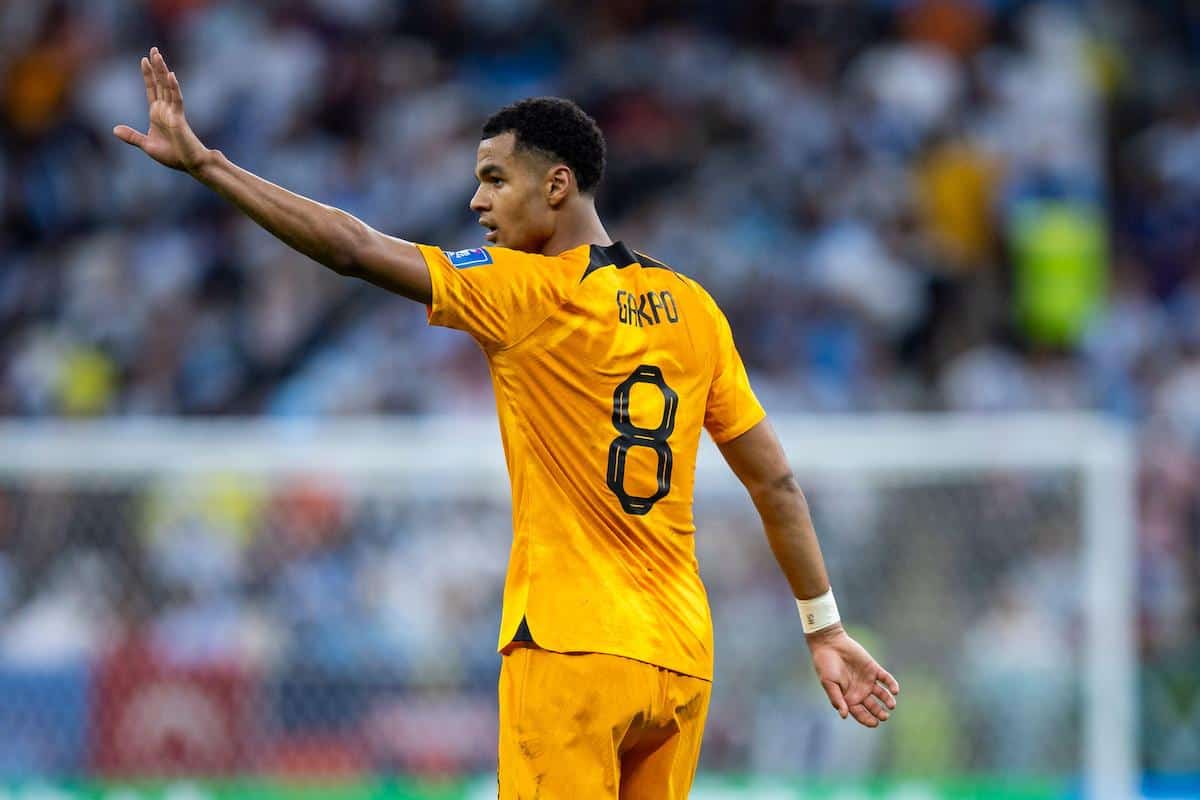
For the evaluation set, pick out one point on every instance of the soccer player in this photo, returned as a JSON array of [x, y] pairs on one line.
[[606, 364]]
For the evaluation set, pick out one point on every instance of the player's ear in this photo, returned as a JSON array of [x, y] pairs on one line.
[[558, 184]]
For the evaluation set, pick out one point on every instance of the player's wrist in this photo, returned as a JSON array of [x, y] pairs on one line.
[[819, 613], [203, 164], [825, 636]]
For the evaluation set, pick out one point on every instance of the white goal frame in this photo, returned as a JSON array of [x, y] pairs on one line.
[[442, 454]]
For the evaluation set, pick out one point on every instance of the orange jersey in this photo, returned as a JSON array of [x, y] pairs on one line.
[[605, 365]]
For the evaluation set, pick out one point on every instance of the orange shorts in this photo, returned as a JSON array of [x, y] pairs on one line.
[[579, 726]]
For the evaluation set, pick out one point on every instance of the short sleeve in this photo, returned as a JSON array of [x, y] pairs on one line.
[[495, 294], [732, 409]]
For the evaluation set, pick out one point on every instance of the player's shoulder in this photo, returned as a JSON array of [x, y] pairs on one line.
[[650, 262], [687, 282], [685, 286]]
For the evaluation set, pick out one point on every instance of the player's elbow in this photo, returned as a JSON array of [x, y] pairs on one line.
[[775, 488], [779, 499], [351, 249]]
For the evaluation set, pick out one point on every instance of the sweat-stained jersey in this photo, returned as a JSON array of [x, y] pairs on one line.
[[605, 364]]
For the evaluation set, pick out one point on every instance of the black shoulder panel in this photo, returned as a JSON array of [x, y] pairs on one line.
[[650, 263]]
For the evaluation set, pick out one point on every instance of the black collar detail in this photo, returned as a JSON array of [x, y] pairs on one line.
[[617, 255]]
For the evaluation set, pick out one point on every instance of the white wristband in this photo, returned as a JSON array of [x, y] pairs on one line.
[[819, 612]]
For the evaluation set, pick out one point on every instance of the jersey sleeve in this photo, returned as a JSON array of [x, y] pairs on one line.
[[495, 294], [732, 409]]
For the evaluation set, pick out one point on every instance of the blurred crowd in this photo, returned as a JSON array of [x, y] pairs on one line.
[[317, 626], [981, 205]]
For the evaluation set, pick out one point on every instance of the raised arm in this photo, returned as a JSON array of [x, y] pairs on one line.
[[848, 673], [328, 235]]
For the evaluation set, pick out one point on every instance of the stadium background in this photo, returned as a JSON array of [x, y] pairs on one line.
[[923, 205]]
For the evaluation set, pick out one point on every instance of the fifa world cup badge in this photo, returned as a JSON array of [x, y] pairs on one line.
[[474, 257]]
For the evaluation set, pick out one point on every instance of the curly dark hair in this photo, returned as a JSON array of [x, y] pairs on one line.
[[558, 129]]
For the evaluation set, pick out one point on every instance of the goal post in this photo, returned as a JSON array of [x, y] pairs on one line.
[[944, 534]]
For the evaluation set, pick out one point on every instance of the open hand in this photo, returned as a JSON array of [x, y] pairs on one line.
[[854, 682], [170, 140]]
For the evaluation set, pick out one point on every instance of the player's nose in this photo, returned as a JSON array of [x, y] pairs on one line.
[[479, 201]]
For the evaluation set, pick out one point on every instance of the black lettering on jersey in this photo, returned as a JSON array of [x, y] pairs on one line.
[[669, 307], [651, 308], [655, 305], [643, 317]]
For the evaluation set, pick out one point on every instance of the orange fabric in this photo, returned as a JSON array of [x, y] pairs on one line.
[[597, 726], [604, 374]]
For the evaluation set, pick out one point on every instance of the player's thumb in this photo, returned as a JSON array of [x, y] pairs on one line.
[[129, 136]]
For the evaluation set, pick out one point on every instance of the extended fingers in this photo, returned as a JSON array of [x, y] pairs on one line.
[[885, 677], [880, 692], [164, 82], [870, 712], [836, 699], [870, 700], [878, 708], [863, 714], [148, 79], [162, 77]]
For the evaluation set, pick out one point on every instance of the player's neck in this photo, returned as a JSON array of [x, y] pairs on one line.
[[578, 226]]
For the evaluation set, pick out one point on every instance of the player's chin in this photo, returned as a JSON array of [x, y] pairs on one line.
[[493, 237]]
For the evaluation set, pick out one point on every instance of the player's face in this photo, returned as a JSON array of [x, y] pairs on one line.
[[511, 198]]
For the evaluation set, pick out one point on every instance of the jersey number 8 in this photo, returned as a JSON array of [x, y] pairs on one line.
[[634, 436]]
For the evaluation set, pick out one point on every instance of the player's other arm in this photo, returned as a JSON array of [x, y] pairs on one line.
[[848, 673], [757, 458], [328, 235]]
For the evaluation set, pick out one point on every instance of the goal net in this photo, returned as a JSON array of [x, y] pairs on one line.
[[272, 609]]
